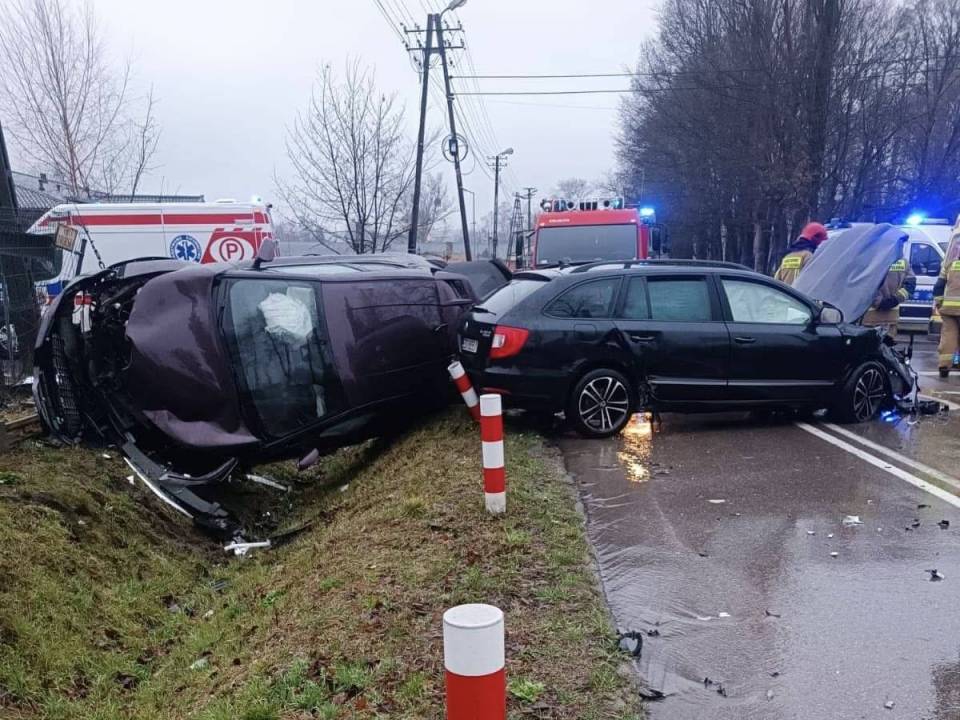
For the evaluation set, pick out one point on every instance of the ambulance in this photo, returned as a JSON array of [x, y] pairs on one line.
[[101, 234]]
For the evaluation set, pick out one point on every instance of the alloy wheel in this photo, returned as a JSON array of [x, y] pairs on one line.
[[603, 404], [868, 395]]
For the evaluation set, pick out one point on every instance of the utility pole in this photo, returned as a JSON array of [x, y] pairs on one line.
[[499, 162], [455, 146], [517, 230], [435, 23], [418, 175], [531, 191], [496, 201]]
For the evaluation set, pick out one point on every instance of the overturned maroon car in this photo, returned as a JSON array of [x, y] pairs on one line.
[[197, 371]]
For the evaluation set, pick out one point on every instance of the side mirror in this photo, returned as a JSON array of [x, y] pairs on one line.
[[266, 254], [830, 315]]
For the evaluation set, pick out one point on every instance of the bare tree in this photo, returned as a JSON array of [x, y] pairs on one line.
[[352, 165], [70, 111], [435, 204], [750, 117]]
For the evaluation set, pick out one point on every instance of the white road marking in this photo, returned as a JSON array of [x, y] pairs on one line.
[[902, 459], [948, 403], [883, 465]]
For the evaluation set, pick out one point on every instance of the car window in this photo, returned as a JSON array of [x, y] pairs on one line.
[[925, 260], [505, 298], [587, 300], [275, 335], [676, 300], [636, 307], [752, 302]]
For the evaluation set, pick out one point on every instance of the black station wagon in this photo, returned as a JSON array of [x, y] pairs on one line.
[[602, 341]]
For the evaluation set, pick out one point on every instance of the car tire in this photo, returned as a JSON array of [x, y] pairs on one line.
[[865, 393], [601, 404]]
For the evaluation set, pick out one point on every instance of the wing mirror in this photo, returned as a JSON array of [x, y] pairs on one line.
[[266, 254], [829, 315]]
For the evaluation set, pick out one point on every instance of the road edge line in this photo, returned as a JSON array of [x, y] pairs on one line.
[[902, 459], [919, 483]]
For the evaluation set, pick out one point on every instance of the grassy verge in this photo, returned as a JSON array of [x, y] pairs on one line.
[[110, 608]]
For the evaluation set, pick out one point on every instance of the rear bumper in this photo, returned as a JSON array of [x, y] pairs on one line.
[[521, 388]]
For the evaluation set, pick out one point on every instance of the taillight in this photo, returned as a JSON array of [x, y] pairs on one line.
[[507, 341]]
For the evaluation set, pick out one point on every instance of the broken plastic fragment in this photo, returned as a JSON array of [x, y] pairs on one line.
[[834, 554], [830, 535], [240, 549], [260, 480], [889, 704], [850, 520], [723, 615], [770, 613], [631, 642], [199, 664], [944, 524], [717, 501], [107, 456], [811, 532], [935, 575], [769, 694]]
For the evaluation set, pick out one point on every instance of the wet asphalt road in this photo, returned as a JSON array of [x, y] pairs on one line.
[[746, 592]]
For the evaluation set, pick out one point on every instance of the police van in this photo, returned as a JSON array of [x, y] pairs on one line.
[[101, 234], [927, 240]]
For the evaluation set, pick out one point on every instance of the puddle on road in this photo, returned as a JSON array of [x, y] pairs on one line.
[[636, 447], [744, 612]]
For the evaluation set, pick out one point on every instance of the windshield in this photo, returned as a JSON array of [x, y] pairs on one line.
[[586, 243], [510, 294], [275, 335]]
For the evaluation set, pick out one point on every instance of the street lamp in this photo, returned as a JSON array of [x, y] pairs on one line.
[[454, 5]]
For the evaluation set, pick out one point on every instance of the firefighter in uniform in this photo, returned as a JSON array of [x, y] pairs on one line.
[[800, 252], [946, 296], [896, 288]]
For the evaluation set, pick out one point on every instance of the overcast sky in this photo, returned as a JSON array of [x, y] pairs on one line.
[[230, 76]]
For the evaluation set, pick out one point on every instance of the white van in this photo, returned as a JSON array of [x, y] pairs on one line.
[[108, 233]]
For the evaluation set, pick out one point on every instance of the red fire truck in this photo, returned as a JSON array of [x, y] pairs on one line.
[[571, 232]]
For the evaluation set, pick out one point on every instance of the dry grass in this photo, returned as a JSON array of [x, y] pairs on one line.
[[108, 609]]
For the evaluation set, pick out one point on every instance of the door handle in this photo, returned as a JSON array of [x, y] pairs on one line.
[[643, 338], [745, 340]]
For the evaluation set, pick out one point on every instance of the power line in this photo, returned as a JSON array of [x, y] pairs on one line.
[[673, 88], [680, 73]]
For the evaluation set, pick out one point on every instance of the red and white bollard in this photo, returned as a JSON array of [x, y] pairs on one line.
[[474, 660], [491, 436], [469, 395]]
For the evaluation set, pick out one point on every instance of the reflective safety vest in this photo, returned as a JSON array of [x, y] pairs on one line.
[[899, 283], [791, 266], [951, 291]]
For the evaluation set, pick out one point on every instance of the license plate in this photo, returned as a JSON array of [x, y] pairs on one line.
[[469, 345]]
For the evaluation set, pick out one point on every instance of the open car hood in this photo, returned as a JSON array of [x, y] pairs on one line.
[[847, 270]]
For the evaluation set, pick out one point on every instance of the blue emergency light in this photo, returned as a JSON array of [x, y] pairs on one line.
[[647, 212], [916, 219]]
